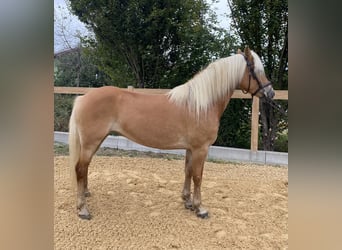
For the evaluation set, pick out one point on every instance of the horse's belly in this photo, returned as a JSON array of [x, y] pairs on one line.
[[153, 136], [156, 141]]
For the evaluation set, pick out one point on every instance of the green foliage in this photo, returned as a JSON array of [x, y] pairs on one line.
[[235, 125], [76, 68], [263, 25], [281, 143], [117, 73], [155, 44], [62, 111]]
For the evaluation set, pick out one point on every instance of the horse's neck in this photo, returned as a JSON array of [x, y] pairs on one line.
[[221, 105]]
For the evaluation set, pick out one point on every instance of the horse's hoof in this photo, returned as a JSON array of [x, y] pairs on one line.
[[188, 205], [87, 194], [203, 214], [84, 214]]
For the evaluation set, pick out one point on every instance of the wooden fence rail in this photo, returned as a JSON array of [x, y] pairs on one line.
[[279, 95]]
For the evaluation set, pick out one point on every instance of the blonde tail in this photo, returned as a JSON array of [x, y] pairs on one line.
[[74, 146]]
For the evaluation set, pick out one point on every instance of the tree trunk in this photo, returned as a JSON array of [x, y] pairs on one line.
[[78, 66], [269, 123]]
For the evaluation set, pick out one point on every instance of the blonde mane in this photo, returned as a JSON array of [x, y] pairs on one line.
[[210, 85]]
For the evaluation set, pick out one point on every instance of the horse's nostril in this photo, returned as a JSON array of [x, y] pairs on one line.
[[271, 94]]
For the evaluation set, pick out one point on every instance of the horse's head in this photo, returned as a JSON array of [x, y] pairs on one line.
[[254, 80]]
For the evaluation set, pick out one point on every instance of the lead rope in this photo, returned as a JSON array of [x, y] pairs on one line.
[[276, 106]]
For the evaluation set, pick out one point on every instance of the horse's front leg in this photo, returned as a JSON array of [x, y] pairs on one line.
[[198, 159], [186, 194]]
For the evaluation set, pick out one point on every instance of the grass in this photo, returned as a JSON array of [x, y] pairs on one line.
[[60, 149]]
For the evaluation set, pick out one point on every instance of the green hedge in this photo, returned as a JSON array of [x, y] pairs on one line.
[[63, 107], [281, 143]]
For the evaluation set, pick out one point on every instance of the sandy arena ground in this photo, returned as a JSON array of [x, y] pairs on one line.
[[136, 204]]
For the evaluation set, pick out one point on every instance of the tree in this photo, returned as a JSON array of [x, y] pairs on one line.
[[157, 44], [263, 25], [75, 68]]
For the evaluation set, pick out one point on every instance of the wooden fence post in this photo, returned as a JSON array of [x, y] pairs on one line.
[[255, 124]]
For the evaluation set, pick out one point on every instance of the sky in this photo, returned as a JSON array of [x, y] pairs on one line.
[[75, 26]]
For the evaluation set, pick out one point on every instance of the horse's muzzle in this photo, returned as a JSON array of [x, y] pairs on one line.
[[270, 94]]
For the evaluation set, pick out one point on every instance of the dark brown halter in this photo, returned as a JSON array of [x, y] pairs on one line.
[[252, 74], [251, 71]]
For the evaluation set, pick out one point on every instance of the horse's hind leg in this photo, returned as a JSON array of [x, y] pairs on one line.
[[86, 190], [87, 152], [82, 182], [198, 159], [186, 194]]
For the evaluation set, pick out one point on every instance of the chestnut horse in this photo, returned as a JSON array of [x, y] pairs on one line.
[[187, 117]]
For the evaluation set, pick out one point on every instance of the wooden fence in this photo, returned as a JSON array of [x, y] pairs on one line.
[[279, 95]]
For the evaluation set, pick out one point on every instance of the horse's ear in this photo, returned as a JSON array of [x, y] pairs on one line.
[[238, 51], [248, 54]]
